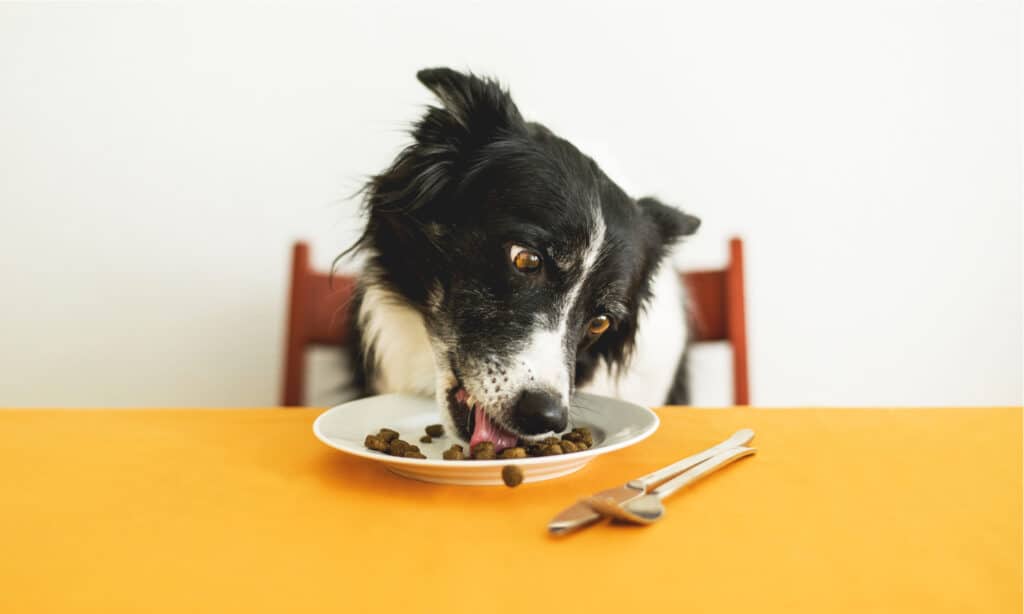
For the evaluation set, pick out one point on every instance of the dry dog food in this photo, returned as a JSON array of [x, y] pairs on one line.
[[390, 442], [512, 476], [454, 453], [399, 447], [580, 436], [483, 451], [375, 442]]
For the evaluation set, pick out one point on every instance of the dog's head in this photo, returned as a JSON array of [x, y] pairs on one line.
[[529, 265]]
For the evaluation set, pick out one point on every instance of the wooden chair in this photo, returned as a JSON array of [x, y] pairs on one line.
[[717, 306], [318, 316]]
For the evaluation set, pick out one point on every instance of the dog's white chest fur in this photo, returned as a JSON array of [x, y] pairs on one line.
[[396, 336]]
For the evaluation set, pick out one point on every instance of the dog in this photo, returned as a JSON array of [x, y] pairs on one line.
[[504, 271]]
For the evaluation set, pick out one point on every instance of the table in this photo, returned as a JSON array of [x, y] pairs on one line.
[[841, 510]]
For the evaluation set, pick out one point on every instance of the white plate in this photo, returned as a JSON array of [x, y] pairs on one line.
[[615, 424]]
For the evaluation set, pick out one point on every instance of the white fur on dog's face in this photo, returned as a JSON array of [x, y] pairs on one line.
[[507, 342], [401, 341], [662, 337], [540, 358], [546, 359]]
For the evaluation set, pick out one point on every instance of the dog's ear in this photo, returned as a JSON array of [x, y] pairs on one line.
[[406, 196], [474, 113], [671, 223], [475, 110]]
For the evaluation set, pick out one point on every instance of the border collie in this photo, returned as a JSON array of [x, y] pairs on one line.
[[504, 270]]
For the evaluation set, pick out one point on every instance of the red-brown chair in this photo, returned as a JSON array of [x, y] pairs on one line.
[[318, 316]]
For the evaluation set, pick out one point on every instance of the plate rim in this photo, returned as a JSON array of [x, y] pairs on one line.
[[534, 460]]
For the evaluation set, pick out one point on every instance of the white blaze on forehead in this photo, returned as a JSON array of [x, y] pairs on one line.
[[590, 256], [543, 362]]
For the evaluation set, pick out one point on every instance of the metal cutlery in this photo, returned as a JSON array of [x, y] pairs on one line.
[[581, 514], [649, 508]]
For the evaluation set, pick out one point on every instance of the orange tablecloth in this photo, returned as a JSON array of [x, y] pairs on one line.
[[244, 511]]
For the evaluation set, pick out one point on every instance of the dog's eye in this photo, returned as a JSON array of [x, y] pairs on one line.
[[598, 325], [525, 260]]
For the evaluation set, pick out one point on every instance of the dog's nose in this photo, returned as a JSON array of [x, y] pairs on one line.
[[540, 412]]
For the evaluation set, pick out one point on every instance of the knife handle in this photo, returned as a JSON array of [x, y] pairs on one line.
[[649, 481]]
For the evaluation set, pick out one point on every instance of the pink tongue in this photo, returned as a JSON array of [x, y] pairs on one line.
[[485, 430]]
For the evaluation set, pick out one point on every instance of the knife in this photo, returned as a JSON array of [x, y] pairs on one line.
[[579, 514]]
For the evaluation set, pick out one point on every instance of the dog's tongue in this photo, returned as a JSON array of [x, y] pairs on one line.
[[485, 430]]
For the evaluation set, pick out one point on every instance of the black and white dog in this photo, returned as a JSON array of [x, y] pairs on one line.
[[504, 270]]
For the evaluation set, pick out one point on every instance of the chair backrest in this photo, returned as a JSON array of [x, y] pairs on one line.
[[318, 316], [718, 313]]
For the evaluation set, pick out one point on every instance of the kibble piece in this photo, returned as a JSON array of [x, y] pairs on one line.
[[551, 450], [513, 453], [412, 454], [512, 476], [426, 439], [483, 451], [580, 435], [580, 445], [388, 435], [534, 449], [551, 441], [568, 446], [399, 447], [435, 430], [375, 443], [454, 453]]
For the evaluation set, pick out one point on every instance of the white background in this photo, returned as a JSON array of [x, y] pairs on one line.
[[156, 163]]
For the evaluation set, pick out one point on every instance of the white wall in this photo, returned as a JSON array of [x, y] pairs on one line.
[[156, 162]]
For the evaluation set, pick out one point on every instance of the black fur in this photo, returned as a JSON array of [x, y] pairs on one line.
[[478, 178]]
